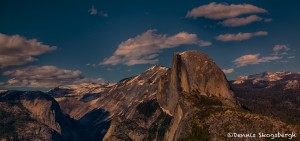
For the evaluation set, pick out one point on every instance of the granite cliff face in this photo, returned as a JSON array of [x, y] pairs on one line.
[[74, 100], [124, 96], [40, 118], [97, 106], [192, 72]]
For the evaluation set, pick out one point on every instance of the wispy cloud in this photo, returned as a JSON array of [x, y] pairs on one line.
[[239, 36], [45, 76], [16, 50], [223, 10], [103, 14], [228, 71], [268, 20], [251, 59], [93, 11], [145, 48], [203, 43], [92, 65], [2, 84], [279, 53], [233, 22], [280, 49], [89, 80]]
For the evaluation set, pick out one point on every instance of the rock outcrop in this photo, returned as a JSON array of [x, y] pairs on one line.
[[74, 99], [192, 72], [94, 106], [43, 118], [124, 96]]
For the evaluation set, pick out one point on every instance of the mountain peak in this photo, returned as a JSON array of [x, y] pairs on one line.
[[192, 52], [193, 71], [157, 67]]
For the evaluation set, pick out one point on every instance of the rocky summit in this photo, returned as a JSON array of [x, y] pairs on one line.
[[191, 101], [192, 73]]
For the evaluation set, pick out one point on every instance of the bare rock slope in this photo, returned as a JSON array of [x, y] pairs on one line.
[[193, 75], [35, 116]]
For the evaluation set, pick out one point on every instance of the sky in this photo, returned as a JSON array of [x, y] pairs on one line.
[[44, 44]]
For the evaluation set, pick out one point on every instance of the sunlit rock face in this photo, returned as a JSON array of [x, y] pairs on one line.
[[125, 95], [95, 105], [192, 72]]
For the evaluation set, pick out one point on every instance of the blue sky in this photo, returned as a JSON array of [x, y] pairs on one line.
[[82, 41]]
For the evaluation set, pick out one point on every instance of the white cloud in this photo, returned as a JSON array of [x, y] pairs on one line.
[[145, 48], [239, 36], [223, 10], [251, 59], [233, 22], [227, 71], [279, 53], [204, 43], [93, 11], [16, 50], [44, 76], [280, 49]]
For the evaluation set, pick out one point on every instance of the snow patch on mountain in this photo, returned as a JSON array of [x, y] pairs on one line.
[[289, 80]]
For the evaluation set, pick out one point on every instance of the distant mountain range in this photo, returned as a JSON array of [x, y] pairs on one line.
[[191, 101], [285, 80], [273, 94]]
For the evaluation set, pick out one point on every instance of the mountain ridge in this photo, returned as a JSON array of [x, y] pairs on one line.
[[287, 80], [192, 100]]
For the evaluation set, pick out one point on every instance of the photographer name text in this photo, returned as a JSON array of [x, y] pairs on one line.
[[262, 135]]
